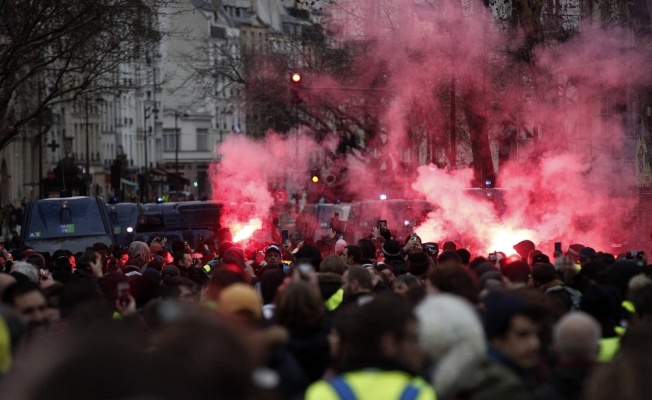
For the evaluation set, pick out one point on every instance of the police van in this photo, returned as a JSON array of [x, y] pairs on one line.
[[71, 223]]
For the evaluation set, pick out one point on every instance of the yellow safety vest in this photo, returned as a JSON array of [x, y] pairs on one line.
[[335, 300], [372, 385], [608, 348], [5, 347]]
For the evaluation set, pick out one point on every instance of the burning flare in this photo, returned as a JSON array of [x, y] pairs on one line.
[[243, 231]]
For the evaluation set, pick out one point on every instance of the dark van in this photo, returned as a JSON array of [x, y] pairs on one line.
[[124, 219], [72, 223], [190, 221]]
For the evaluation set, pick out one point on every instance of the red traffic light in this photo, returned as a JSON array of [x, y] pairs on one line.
[[296, 77]]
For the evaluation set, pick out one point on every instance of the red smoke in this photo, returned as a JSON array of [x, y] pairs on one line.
[[570, 182]]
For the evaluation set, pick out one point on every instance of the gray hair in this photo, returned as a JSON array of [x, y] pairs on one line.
[[576, 336], [450, 331], [26, 269]]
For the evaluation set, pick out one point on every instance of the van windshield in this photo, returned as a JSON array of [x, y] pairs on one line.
[[81, 217]]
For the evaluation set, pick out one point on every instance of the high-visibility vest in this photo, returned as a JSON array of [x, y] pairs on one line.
[[335, 300], [5, 347], [371, 385]]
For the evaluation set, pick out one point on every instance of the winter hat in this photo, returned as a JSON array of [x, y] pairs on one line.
[[169, 270], [500, 307], [340, 245], [587, 252], [575, 249], [447, 321], [418, 263], [240, 297], [524, 247], [152, 274], [391, 248], [139, 251], [540, 258], [543, 273], [431, 248]]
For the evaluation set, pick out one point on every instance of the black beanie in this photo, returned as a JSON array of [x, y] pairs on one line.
[[418, 263], [500, 307]]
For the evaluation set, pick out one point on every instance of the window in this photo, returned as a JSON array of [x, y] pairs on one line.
[[169, 140], [202, 139]]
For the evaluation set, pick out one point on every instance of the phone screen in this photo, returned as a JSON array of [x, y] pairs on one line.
[[558, 247], [123, 293], [382, 224]]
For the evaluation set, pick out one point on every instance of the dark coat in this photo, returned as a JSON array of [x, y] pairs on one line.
[[566, 383]]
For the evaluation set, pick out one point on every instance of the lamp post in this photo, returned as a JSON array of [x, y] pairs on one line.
[[88, 144], [177, 114], [148, 112]]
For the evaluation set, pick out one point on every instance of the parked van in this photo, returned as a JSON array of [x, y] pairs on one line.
[[190, 221], [124, 218], [72, 223]]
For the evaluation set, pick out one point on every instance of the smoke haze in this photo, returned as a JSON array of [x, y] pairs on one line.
[[569, 181]]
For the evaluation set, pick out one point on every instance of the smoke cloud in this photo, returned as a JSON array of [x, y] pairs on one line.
[[567, 178]]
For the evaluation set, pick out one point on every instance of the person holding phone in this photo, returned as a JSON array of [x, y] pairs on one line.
[[413, 244]]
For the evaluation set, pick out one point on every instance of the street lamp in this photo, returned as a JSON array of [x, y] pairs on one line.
[[148, 112], [177, 114], [88, 143]]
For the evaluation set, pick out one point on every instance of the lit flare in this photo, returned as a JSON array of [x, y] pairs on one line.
[[243, 231]]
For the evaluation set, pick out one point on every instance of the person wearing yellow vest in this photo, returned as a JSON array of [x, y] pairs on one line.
[[381, 351]]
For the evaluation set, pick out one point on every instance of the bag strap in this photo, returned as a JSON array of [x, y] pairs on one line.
[[410, 392], [342, 388], [344, 391]]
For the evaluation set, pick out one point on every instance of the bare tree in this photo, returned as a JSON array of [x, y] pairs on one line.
[[57, 50]]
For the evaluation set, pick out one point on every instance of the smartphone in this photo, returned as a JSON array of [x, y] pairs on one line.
[[284, 235], [558, 247], [382, 224], [123, 293]]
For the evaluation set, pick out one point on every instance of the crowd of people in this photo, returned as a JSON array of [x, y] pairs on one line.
[[384, 318]]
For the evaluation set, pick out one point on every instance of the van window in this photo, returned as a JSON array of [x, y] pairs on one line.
[[49, 219]]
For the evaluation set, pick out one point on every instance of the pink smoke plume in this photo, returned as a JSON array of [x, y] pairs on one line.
[[568, 180], [250, 171]]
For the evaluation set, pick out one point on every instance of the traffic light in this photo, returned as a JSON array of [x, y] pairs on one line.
[[296, 81]]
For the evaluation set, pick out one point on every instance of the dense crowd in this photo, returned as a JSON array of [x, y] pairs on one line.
[[384, 318]]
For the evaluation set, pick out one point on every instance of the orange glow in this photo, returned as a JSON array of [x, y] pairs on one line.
[[244, 231], [504, 239], [315, 179]]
